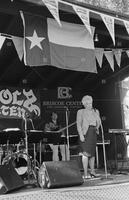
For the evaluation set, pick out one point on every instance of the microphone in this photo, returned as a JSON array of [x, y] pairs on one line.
[[66, 108], [32, 124]]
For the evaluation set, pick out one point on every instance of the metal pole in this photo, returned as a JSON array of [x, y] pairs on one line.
[[26, 145], [40, 152], [67, 131], [26, 136], [104, 153]]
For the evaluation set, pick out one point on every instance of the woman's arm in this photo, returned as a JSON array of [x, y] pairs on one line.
[[98, 121], [79, 125], [47, 127]]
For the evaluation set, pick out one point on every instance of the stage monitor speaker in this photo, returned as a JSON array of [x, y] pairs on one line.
[[55, 174], [9, 179]]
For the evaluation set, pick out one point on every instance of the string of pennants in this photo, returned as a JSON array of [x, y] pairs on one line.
[[99, 52], [84, 14]]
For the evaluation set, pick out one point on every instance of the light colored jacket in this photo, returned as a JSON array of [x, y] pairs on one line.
[[84, 120]]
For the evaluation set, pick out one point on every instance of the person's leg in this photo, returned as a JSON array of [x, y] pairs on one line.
[[67, 152], [92, 165], [63, 152], [55, 156], [85, 165]]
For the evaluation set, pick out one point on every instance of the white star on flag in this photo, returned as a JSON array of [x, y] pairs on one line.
[[35, 40]]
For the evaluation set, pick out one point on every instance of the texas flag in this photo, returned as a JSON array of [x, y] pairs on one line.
[[36, 44], [70, 46]]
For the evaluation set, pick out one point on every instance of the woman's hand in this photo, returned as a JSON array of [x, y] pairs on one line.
[[82, 138], [97, 131]]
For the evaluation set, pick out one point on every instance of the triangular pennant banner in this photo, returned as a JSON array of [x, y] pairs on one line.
[[2, 39], [83, 13], [53, 7], [126, 23], [99, 55], [18, 43], [109, 22], [109, 56], [117, 53]]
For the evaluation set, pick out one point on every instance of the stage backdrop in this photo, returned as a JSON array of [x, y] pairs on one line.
[[14, 102], [65, 102]]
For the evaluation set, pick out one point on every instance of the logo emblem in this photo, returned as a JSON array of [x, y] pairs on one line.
[[64, 93]]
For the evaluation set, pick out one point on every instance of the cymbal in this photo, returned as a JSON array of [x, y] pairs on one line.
[[35, 131], [11, 129], [52, 131]]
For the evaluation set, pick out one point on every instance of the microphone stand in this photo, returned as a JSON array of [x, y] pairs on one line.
[[32, 124], [104, 152], [67, 134]]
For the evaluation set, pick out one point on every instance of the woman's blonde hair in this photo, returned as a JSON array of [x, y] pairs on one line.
[[86, 99]]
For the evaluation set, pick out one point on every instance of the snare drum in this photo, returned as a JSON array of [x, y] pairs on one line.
[[19, 161]]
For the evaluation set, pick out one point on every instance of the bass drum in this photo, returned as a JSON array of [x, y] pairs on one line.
[[19, 162]]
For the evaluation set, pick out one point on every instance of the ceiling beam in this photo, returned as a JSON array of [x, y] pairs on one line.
[[37, 7]]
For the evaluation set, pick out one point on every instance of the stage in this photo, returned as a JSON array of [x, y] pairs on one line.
[[114, 186]]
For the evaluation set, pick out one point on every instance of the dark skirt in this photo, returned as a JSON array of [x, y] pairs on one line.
[[88, 147]]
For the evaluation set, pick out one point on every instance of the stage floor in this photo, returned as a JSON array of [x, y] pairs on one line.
[[111, 187]]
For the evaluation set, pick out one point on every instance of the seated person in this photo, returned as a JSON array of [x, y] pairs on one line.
[[54, 126]]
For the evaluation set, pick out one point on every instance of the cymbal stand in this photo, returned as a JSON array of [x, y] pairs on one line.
[[34, 147], [1, 153], [26, 148], [34, 160], [26, 137], [8, 150], [40, 153], [34, 156], [8, 147], [30, 171]]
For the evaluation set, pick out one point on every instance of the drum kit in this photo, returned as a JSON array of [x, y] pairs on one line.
[[14, 151]]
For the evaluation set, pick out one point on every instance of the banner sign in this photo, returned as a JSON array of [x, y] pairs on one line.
[[14, 103], [63, 97]]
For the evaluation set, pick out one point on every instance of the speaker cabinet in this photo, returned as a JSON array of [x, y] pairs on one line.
[[55, 174], [78, 158], [9, 179]]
